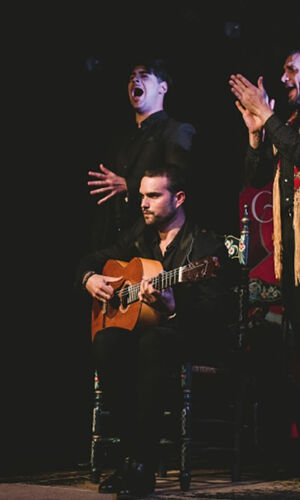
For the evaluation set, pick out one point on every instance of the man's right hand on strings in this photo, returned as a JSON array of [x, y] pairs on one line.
[[100, 287]]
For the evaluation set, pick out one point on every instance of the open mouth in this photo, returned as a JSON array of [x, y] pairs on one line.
[[291, 90], [137, 92]]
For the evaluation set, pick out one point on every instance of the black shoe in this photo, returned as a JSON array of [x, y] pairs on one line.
[[139, 483], [112, 484], [116, 481]]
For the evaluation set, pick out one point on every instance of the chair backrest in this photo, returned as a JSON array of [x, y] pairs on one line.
[[253, 291], [238, 248]]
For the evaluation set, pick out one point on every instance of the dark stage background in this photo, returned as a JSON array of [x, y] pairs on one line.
[[67, 71]]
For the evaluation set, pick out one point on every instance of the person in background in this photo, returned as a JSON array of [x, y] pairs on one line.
[[273, 153], [153, 137]]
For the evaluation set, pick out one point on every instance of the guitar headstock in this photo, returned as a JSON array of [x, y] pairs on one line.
[[201, 269]]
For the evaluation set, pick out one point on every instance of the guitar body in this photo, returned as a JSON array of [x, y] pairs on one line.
[[117, 314]]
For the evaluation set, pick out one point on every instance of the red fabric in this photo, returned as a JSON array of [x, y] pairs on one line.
[[261, 231], [294, 431], [261, 259]]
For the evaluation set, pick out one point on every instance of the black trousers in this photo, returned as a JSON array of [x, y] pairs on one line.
[[290, 292], [291, 302], [135, 369]]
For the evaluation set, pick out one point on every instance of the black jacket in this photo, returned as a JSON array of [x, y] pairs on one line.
[[160, 139], [260, 163], [203, 308]]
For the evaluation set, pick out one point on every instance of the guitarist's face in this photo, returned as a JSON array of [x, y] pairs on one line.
[[159, 206]]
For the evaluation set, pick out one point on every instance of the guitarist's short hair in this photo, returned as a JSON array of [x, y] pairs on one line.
[[175, 174]]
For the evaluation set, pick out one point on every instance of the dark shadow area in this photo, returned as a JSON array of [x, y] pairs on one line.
[[64, 107]]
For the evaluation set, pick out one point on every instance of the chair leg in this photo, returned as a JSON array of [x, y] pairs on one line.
[[95, 472], [94, 467], [236, 466], [185, 452], [162, 468]]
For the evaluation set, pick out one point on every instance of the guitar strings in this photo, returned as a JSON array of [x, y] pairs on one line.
[[134, 289]]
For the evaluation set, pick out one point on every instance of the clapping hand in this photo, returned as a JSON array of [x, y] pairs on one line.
[[253, 101]]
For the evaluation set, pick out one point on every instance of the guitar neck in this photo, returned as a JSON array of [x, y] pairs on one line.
[[160, 282], [191, 272]]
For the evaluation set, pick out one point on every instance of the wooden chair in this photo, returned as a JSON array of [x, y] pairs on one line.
[[227, 420]]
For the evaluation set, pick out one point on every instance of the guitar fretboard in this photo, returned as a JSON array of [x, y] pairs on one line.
[[164, 280], [160, 282]]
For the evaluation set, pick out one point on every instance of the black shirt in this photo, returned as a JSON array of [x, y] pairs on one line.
[[159, 139], [261, 163]]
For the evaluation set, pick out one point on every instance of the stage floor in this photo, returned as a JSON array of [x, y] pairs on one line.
[[255, 484]]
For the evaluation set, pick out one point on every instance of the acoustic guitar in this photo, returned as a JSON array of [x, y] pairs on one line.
[[124, 309]]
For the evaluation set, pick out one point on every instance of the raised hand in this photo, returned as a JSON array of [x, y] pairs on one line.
[[253, 101], [106, 182]]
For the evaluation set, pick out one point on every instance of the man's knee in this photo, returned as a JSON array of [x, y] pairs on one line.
[[113, 344]]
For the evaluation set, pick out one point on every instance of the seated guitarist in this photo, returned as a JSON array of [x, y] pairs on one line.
[[135, 363]]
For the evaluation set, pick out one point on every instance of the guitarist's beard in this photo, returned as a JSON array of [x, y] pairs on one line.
[[158, 221]]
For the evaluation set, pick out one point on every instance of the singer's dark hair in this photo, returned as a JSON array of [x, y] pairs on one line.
[[155, 66], [293, 51]]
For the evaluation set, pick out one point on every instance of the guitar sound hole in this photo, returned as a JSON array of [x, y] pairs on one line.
[[124, 297], [115, 302]]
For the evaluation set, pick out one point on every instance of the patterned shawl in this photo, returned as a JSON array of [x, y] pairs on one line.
[[277, 220]]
